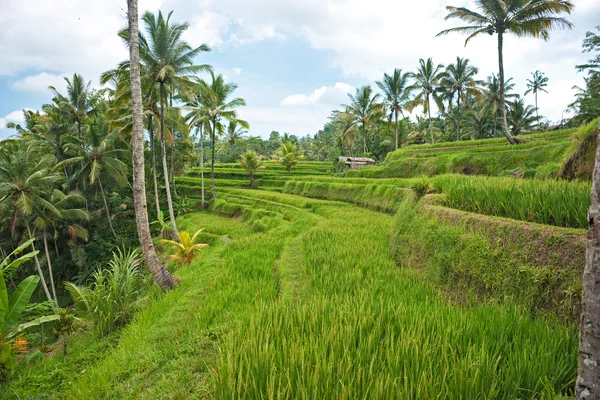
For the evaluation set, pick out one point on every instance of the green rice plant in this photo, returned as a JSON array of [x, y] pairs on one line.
[[112, 299]]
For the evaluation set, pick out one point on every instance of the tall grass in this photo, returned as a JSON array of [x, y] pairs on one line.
[[550, 202]]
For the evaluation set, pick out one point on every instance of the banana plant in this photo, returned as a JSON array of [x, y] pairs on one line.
[[11, 307]]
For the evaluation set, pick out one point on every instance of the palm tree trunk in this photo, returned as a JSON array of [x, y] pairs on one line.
[[536, 107], [458, 118], [212, 165], [153, 152], [510, 138], [106, 207], [50, 270], [160, 275], [164, 161], [38, 267], [588, 375], [396, 126], [429, 116], [202, 162]]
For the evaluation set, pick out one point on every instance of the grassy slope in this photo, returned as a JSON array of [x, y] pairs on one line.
[[313, 308]]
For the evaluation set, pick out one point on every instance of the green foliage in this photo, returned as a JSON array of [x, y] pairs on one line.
[[112, 299], [186, 249]]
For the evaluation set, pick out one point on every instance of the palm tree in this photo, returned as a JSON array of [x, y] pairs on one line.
[[537, 84], [396, 94], [235, 133], [95, 154], [78, 103], [523, 18], [427, 81], [459, 79], [288, 155], [250, 162], [26, 178], [170, 62], [68, 214], [160, 275], [521, 118], [491, 96], [345, 128], [365, 110], [214, 99]]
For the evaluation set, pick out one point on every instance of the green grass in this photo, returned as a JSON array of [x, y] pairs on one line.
[[313, 307]]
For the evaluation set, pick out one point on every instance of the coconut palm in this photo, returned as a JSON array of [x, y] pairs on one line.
[[213, 104], [459, 80], [521, 118], [170, 62], [250, 162], [537, 84], [345, 129], [79, 101], [491, 96], [235, 133], [289, 155], [26, 178], [396, 94], [535, 18], [186, 249], [97, 157], [427, 82], [365, 110], [160, 275]]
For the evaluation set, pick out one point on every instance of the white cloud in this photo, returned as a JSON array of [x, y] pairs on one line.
[[16, 117], [327, 95], [39, 83]]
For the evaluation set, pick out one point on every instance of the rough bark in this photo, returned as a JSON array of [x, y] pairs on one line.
[[50, 270], [509, 137], [160, 275], [106, 207], [588, 375], [202, 162], [153, 152], [164, 162]]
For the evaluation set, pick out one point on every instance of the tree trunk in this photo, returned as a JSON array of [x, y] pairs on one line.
[[536, 107], [429, 116], [39, 267], [458, 118], [106, 207], [510, 138], [212, 165], [153, 151], [164, 161], [202, 162], [160, 275], [50, 270], [588, 375], [396, 126]]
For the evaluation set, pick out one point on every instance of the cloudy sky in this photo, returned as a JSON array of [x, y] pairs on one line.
[[294, 61]]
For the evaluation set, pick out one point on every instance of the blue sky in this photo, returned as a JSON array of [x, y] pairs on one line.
[[294, 61]]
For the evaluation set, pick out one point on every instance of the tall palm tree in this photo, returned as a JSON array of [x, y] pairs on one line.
[[396, 94], [459, 79], [427, 81], [365, 109], [345, 128], [160, 275], [535, 18], [26, 178], [235, 133], [97, 155], [214, 99], [491, 96], [78, 103], [170, 62], [537, 84]]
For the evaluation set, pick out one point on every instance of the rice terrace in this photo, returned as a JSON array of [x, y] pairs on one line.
[[423, 225]]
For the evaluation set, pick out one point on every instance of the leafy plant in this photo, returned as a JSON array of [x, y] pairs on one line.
[[11, 307], [187, 249], [112, 299], [165, 225]]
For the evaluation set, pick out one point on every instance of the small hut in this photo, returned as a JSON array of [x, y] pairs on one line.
[[356, 162]]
